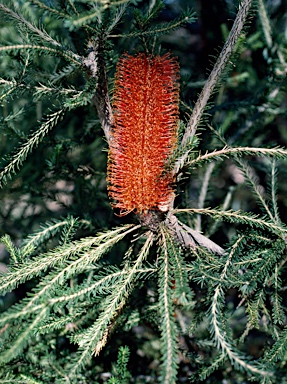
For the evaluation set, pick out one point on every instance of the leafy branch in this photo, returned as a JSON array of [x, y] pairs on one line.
[[222, 340], [42, 48], [95, 337], [278, 153], [32, 268], [187, 17], [19, 157], [237, 217], [169, 332]]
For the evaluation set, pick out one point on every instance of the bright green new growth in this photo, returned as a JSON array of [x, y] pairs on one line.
[[96, 299]]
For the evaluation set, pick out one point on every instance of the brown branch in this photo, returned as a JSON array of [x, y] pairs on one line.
[[188, 237], [95, 65]]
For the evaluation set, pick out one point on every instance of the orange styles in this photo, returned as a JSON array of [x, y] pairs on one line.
[[144, 133]]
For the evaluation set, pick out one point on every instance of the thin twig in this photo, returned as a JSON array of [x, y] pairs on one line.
[[203, 192]]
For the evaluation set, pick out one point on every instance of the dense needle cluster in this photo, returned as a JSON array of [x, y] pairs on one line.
[[144, 133]]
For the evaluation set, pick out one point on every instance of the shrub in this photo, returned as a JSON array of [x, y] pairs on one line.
[[186, 282]]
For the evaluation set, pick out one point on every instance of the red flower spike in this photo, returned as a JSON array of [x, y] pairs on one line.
[[144, 133]]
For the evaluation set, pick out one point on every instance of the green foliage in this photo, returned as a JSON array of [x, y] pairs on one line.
[[122, 375], [90, 297]]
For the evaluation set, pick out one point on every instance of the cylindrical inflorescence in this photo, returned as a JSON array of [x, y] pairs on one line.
[[144, 133]]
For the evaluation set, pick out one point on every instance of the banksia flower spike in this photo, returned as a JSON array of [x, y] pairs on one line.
[[144, 134]]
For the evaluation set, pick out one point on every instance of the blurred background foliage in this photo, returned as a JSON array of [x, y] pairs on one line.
[[65, 174]]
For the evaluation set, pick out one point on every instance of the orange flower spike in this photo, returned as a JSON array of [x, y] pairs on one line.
[[144, 133]]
